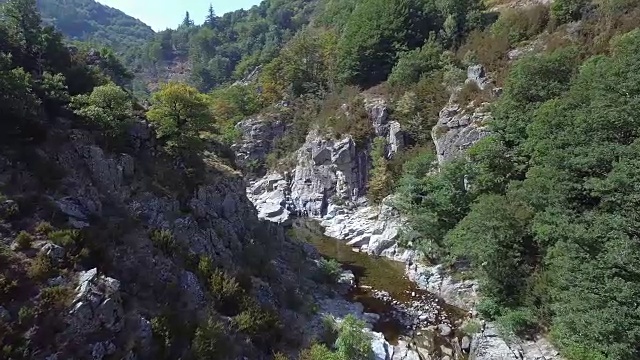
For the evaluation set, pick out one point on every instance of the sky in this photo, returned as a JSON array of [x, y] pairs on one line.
[[162, 14]]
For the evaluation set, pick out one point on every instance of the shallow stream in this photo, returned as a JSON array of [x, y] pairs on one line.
[[374, 274]]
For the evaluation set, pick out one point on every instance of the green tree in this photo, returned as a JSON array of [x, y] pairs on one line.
[[413, 64], [180, 113], [18, 102], [495, 236], [108, 106], [375, 32], [211, 20]]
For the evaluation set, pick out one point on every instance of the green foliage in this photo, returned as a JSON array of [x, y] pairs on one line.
[[56, 298], [163, 239], [353, 343], [91, 21], [546, 216], [521, 24], [226, 292], [66, 238], [24, 240], [180, 113], [318, 352], [26, 315], [380, 181], [412, 65], [563, 11], [330, 270], [40, 268], [7, 286], [44, 228], [107, 106], [434, 203], [210, 341]]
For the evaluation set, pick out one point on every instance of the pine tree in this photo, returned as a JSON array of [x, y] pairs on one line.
[[187, 22], [211, 21]]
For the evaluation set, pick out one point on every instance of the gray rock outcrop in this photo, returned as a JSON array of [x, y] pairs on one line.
[[259, 135], [462, 125]]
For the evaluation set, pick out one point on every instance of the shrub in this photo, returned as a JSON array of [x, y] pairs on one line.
[[54, 298], [353, 343], [261, 324], [226, 292], [162, 332], [164, 240], [26, 315], [24, 240], [411, 65], [41, 268], [205, 267], [44, 228], [209, 342], [318, 352], [471, 327], [280, 356], [517, 321], [522, 24], [563, 11], [330, 330], [330, 270], [66, 238], [7, 286], [471, 92]]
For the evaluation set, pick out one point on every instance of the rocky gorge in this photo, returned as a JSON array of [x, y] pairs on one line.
[[328, 184]]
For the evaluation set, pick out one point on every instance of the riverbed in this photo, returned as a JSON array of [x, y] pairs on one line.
[[406, 312]]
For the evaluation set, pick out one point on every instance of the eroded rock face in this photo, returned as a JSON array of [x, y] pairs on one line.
[[391, 131], [328, 171], [462, 125], [259, 135]]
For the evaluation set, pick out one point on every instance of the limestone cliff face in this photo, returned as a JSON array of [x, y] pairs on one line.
[[117, 201]]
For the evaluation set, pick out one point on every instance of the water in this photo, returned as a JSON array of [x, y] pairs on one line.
[[377, 273]]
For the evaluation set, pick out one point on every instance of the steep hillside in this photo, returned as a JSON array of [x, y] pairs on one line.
[[90, 21]]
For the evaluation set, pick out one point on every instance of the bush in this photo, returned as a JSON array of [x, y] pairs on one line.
[[164, 240], [261, 324], [44, 228], [26, 315], [66, 238], [205, 267], [330, 270], [226, 292], [412, 65], [54, 299], [41, 268], [522, 24], [330, 330], [7, 286], [210, 342], [563, 11], [24, 240], [471, 92], [517, 321], [353, 343], [318, 352]]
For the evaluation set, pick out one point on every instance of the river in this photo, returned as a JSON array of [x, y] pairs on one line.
[[407, 313]]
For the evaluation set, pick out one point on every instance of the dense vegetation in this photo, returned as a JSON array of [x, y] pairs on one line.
[[543, 210]]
